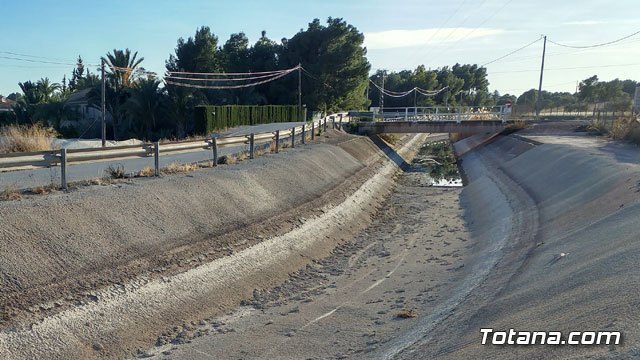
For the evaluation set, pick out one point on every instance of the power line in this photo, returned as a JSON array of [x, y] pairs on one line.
[[229, 87], [400, 94], [493, 14], [511, 53], [224, 79], [36, 61], [229, 74], [433, 35], [596, 45], [453, 30], [32, 56], [566, 68]]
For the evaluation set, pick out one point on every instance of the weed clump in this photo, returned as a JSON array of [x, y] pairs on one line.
[[22, 138]]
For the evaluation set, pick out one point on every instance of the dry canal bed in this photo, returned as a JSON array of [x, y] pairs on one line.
[[367, 299]]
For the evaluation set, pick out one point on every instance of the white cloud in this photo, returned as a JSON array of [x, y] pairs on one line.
[[392, 39]]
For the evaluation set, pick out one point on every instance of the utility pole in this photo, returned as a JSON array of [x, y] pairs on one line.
[[544, 50], [384, 74], [103, 114], [300, 89]]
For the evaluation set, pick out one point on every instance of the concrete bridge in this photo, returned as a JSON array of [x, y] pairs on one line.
[[464, 127], [466, 120]]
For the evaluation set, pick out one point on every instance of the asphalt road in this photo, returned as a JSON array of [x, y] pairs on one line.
[[29, 179]]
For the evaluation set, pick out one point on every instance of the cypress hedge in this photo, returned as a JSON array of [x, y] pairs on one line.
[[209, 118]]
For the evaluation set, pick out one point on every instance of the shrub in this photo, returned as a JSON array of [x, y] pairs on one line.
[[228, 116], [389, 138], [10, 194], [115, 172], [175, 168], [22, 138], [147, 171], [227, 160], [596, 127]]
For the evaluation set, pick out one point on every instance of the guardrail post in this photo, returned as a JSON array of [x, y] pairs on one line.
[[333, 122], [214, 150], [293, 137], [304, 133], [313, 130], [156, 157], [63, 168], [277, 141], [325, 124], [340, 121], [251, 147]]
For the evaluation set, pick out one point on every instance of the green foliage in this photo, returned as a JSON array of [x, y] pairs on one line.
[[212, 118], [333, 55], [7, 117], [446, 167], [465, 85], [121, 70]]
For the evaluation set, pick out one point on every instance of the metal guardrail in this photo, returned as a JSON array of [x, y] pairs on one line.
[[66, 157]]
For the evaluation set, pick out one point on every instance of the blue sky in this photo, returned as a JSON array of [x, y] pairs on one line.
[[399, 34]]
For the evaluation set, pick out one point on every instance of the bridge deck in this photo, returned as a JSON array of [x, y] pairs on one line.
[[464, 126]]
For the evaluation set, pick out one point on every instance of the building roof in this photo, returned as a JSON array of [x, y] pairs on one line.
[[6, 104], [79, 97]]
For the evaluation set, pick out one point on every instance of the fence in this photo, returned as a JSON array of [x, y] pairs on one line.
[[67, 157], [443, 113]]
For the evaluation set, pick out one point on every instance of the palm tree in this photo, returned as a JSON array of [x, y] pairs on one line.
[[46, 89], [122, 67], [31, 93], [143, 107]]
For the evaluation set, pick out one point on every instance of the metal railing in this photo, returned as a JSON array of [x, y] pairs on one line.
[[65, 157], [451, 113]]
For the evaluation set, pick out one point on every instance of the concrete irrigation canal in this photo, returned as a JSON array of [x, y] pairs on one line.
[[345, 247]]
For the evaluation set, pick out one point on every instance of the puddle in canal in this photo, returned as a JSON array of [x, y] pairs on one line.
[[436, 160]]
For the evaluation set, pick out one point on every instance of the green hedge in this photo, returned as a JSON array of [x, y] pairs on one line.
[[229, 116]]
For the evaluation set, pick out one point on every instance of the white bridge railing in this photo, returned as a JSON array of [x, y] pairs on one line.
[[442, 113]]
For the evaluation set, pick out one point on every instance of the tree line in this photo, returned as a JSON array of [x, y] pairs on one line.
[[336, 76]]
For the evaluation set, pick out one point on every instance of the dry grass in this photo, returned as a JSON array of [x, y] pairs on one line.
[[21, 138], [41, 190], [258, 152], [10, 194], [626, 129], [597, 127], [390, 139], [103, 181], [227, 160], [147, 171], [175, 168], [272, 147], [634, 133], [242, 156], [115, 172], [406, 314], [188, 138], [516, 125]]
